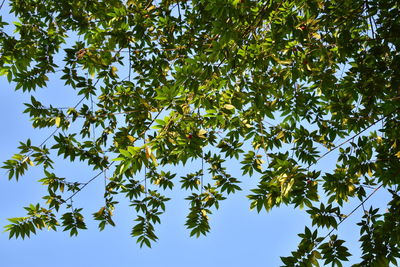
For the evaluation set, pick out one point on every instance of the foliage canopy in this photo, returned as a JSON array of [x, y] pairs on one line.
[[275, 85]]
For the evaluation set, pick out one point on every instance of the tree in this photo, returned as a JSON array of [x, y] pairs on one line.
[[275, 85]]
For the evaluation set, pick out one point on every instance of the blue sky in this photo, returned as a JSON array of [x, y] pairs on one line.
[[238, 237]]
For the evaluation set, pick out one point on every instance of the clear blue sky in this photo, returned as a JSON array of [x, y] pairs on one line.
[[238, 237]]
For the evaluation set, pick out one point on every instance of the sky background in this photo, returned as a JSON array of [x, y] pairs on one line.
[[238, 237]]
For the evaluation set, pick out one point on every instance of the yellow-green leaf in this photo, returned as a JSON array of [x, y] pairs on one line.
[[31, 163], [229, 106], [288, 187], [114, 71], [148, 152], [370, 172], [58, 121], [202, 133], [280, 135], [131, 138]]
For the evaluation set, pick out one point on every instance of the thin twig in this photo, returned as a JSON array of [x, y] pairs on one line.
[[88, 182], [130, 64], [348, 215], [76, 105], [349, 139]]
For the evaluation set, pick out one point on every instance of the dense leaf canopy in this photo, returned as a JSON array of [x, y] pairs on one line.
[[273, 85]]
